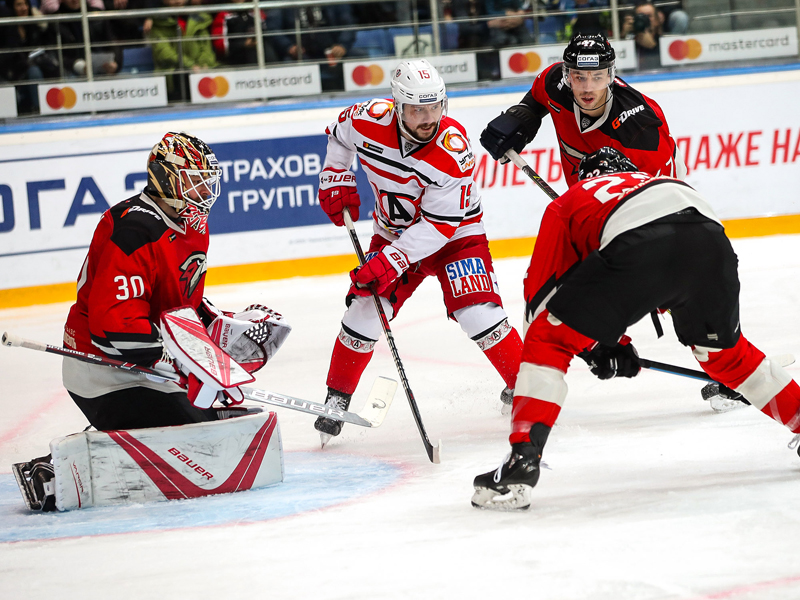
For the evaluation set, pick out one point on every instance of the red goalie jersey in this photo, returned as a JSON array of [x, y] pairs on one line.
[[631, 123], [140, 263], [423, 191]]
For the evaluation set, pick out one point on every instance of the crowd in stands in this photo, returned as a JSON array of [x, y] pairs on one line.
[[197, 41]]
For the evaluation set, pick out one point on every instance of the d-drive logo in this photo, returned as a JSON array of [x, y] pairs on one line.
[[371, 75], [61, 98], [625, 114], [213, 87], [529, 62], [685, 49]]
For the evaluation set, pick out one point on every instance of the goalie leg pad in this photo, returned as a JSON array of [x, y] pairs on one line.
[[167, 463]]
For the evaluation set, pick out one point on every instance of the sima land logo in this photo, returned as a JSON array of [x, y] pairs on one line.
[[213, 87], [371, 75], [685, 49], [527, 62], [61, 98]]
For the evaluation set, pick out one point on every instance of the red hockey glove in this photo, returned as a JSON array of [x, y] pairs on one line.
[[607, 362], [382, 269], [337, 191]]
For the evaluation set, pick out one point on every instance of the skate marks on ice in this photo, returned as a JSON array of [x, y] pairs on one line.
[[309, 485]]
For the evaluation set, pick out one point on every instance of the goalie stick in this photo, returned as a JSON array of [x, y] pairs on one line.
[[434, 452], [372, 415]]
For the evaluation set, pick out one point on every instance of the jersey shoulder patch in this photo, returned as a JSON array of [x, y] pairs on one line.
[[454, 141], [136, 224], [377, 110]]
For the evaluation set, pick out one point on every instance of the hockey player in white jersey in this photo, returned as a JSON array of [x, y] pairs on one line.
[[426, 222]]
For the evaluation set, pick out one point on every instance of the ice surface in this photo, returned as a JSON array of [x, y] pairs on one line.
[[651, 495]]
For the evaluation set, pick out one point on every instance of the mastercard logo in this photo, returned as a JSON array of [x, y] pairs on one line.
[[371, 75], [61, 98], [213, 87], [527, 62], [680, 49]]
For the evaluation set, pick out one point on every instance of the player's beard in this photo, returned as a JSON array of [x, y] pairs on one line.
[[424, 135]]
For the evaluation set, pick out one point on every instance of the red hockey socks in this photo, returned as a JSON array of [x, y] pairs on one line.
[[351, 355], [503, 347]]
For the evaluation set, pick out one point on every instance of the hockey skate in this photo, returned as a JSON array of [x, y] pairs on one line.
[[507, 398], [36, 480], [722, 398], [329, 428]]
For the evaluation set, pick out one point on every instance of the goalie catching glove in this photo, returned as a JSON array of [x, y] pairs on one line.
[[337, 191], [250, 337], [607, 362], [383, 268]]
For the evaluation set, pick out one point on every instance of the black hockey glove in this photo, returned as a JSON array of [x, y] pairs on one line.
[[512, 130], [607, 362]]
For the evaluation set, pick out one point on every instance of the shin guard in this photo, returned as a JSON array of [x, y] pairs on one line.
[[351, 355], [503, 347], [538, 398]]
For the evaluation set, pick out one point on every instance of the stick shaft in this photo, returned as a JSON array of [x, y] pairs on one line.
[[429, 448], [532, 175]]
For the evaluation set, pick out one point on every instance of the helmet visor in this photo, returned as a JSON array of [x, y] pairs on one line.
[[421, 121], [200, 187], [581, 80]]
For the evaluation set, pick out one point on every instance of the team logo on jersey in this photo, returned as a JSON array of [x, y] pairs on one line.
[[454, 142], [192, 271], [468, 276], [379, 109], [625, 115], [398, 211]]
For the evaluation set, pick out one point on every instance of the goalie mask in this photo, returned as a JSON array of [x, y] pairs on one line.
[[603, 162], [589, 67], [183, 171], [420, 99]]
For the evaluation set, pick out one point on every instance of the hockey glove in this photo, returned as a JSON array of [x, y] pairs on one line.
[[166, 364], [607, 362], [383, 269], [337, 191], [512, 130], [250, 337]]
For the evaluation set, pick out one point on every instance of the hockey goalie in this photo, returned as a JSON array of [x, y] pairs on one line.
[[140, 300]]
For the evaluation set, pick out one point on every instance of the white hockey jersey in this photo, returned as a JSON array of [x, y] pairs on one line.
[[424, 193]]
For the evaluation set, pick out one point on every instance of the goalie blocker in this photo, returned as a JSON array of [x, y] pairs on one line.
[[96, 468]]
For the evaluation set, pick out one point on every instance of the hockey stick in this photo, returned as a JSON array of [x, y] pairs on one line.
[[434, 452], [372, 415], [532, 175]]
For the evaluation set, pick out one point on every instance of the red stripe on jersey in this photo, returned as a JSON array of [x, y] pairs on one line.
[[445, 229]]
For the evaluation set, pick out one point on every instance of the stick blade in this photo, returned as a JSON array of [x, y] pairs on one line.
[[436, 453], [379, 400]]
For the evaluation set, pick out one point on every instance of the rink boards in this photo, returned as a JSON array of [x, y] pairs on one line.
[[738, 133]]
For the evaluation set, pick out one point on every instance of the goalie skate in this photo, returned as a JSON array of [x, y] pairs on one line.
[[35, 481]]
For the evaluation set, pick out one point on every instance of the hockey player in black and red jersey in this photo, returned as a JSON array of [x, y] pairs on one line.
[[618, 245], [591, 108], [148, 255], [426, 222]]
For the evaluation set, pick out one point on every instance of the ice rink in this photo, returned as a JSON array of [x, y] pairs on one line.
[[650, 495]]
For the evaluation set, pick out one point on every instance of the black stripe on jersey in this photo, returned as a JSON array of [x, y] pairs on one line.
[[355, 334], [434, 217], [635, 193], [139, 348], [395, 164], [136, 224]]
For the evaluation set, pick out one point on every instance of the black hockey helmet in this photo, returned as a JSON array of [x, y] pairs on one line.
[[589, 51], [604, 161]]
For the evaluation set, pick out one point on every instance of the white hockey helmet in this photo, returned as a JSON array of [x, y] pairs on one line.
[[417, 82]]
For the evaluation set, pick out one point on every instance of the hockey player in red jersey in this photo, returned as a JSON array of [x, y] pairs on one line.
[[618, 245], [426, 222], [148, 255], [591, 108]]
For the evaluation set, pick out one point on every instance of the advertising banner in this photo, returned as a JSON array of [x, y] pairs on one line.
[[528, 62], [377, 74], [8, 102], [728, 46], [96, 96], [254, 84]]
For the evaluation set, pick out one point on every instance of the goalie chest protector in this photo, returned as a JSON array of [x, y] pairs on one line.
[[102, 468]]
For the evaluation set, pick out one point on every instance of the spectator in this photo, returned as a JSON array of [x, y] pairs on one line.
[[576, 19], [52, 6], [317, 40], [181, 42], [508, 27], [645, 26], [676, 20], [472, 34], [106, 59], [240, 50], [30, 63], [130, 29]]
